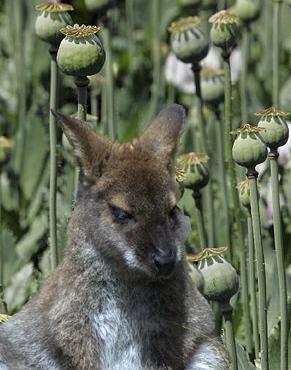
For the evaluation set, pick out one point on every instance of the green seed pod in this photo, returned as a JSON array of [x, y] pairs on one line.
[[225, 30], [180, 175], [220, 279], [189, 43], [81, 52], [275, 131], [51, 18], [196, 276], [248, 149], [244, 193], [248, 10], [95, 4], [212, 86], [196, 172]]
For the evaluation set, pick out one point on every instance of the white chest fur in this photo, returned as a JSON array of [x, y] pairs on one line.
[[120, 343]]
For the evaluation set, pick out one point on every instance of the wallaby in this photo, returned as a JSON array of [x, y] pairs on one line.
[[122, 298]]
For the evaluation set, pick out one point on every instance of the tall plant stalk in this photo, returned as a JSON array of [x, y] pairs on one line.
[[244, 72], [1, 252], [252, 284], [223, 183], [204, 148], [129, 5], [22, 90], [109, 83], [256, 223], [273, 157], [199, 219], [234, 195], [155, 11], [226, 310], [277, 7], [82, 86], [53, 160]]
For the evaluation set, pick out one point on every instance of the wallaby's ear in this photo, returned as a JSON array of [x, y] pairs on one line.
[[90, 149], [162, 136]]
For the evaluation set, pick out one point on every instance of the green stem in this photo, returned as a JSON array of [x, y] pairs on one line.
[[155, 11], [94, 102], [1, 252], [200, 104], [252, 285], [226, 310], [243, 74], [109, 83], [223, 184], [277, 6], [53, 161], [252, 176], [234, 196], [129, 5], [204, 148], [199, 219], [82, 87], [22, 91], [273, 156]]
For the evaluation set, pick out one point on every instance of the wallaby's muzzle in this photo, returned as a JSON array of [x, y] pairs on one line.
[[165, 261]]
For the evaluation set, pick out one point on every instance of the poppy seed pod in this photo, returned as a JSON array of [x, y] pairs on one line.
[[196, 172], [196, 276], [244, 193], [248, 149], [212, 86], [220, 278], [50, 19], [275, 131], [225, 30], [189, 43], [81, 52], [248, 10], [180, 175]]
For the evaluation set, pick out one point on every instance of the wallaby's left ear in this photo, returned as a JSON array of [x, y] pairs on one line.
[[90, 149], [162, 136]]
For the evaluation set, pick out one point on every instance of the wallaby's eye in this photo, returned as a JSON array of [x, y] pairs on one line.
[[120, 215]]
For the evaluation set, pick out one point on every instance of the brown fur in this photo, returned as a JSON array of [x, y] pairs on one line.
[[109, 305]]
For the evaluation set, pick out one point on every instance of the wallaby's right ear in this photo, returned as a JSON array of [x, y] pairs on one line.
[[90, 149]]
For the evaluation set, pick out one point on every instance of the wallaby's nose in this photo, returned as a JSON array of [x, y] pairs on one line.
[[165, 261]]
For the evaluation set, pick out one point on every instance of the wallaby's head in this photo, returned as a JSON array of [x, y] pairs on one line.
[[126, 206]]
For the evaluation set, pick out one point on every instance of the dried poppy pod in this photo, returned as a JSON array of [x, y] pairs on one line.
[[248, 10], [225, 30], [248, 149], [50, 19], [81, 52], [196, 172], [189, 43], [212, 86], [180, 175], [220, 278], [275, 131], [244, 193]]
